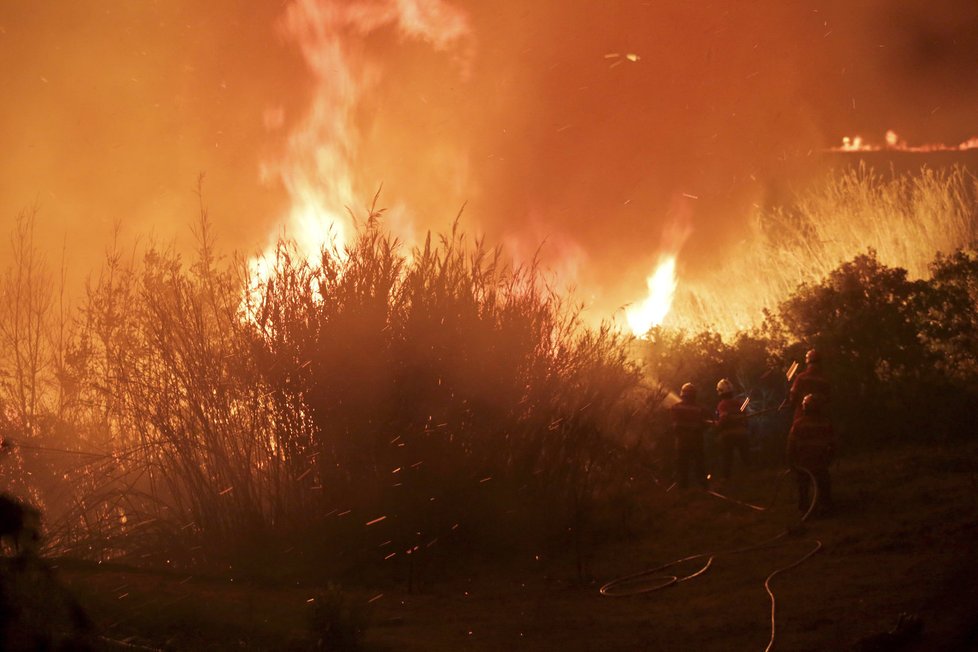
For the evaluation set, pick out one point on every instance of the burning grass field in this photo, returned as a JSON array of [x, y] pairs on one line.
[[905, 215], [900, 542], [439, 433]]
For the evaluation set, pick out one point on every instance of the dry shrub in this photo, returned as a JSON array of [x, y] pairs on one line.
[[451, 396], [378, 404]]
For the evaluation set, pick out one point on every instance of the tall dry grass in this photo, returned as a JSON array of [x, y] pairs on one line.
[[382, 402], [447, 389], [377, 405], [904, 218], [188, 447]]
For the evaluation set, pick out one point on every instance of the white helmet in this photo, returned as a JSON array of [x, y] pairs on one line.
[[725, 386]]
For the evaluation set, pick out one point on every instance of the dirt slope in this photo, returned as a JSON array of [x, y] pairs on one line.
[[902, 540]]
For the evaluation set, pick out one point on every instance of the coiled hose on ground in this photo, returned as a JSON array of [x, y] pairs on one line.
[[654, 579]]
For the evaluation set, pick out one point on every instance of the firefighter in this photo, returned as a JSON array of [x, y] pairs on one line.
[[811, 446], [689, 421], [732, 430], [811, 381]]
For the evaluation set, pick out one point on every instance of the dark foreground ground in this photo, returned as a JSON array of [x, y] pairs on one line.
[[903, 539]]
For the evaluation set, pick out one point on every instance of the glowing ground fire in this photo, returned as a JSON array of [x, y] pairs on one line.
[[897, 144]]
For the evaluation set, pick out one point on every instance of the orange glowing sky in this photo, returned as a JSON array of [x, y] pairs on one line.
[[112, 108]]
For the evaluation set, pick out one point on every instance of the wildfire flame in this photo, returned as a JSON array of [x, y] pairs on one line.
[[897, 144], [662, 283], [317, 168], [653, 310]]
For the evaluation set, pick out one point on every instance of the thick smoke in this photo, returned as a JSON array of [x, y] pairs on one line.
[[551, 132]]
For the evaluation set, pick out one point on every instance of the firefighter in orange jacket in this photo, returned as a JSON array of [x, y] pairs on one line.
[[811, 381], [732, 430], [689, 421], [811, 446]]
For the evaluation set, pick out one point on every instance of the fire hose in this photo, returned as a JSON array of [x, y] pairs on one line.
[[654, 579]]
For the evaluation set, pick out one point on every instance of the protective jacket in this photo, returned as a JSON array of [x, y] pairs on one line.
[[810, 381], [689, 420], [730, 420], [811, 443]]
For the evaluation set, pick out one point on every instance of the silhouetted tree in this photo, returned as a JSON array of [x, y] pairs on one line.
[[865, 319], [950, 318], [674, 357]]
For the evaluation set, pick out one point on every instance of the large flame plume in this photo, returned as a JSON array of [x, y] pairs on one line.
[[318, 167], [654, 308], [663, 281]]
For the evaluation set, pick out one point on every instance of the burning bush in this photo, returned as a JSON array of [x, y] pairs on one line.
[[449, 393], [371, 406], [379, 402]]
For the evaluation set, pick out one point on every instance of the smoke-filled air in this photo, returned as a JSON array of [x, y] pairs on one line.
[[434, 324], [573, 133]]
